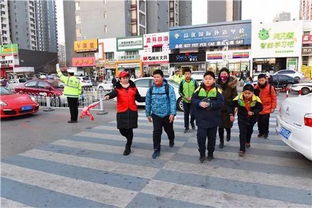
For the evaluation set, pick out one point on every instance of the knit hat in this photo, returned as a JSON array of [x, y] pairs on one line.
[[248, 87]]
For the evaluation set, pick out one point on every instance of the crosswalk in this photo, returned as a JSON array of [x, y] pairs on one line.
[[89, 170]]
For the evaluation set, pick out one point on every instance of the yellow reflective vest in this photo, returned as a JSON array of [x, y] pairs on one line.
[[72, 87]]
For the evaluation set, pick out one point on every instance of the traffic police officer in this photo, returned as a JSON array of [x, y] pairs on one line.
[[72, 91]]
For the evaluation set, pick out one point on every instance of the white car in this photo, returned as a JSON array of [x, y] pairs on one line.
[[294, 124], [143, 84], [198, 75], [105, 86], [85, 81], [304, 88], [292, 73]]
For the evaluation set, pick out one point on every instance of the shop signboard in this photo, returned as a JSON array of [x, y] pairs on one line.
[[155, 58], [129, 43], [160, 40], [278, 39], [235, 55], [232, 34], [307, 39], [307, 51], [9, 49], [187, 57], [83, 61], [86, 45], [8, 61]]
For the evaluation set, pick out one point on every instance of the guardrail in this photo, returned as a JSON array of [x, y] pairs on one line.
[[88, 97]]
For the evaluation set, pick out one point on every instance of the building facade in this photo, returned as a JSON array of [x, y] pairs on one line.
[[5, 34], [33, 24], [306, 9], [224, 11]]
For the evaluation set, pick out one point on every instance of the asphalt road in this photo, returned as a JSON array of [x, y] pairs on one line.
[[49, 163], [23, 133]]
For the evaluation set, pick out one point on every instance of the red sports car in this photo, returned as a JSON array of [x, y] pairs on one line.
[[16, 104]]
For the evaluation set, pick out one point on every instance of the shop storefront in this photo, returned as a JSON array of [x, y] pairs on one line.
[[235, 61], [156, 53], [85, 65], [9, 59], [226, 44], [307, 50], [85, 59], [276, 46], [128, 55], [196, 61]]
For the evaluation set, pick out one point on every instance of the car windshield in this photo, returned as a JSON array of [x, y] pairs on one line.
[[4, 91]]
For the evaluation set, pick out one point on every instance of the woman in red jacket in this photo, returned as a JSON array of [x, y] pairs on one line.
[[127, 111]]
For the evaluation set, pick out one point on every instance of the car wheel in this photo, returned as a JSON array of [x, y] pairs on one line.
[[305, 91], [55, 102], [180, 104]]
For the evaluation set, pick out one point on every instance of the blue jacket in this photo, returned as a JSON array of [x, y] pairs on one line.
[[207, 117], [159, 103]]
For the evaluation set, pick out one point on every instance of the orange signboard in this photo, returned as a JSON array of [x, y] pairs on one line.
[[86, 45], [83, 61]]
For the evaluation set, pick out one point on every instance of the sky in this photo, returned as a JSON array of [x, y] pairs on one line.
[[257, 10]]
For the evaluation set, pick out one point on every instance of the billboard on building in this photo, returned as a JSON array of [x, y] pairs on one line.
[[156, 48], [8, 49], [232, 34], [83, 61], [86, 45], [276, 39], [307, 39], [129, 43]]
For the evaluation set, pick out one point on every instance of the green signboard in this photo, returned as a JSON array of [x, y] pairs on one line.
[[8, 49]]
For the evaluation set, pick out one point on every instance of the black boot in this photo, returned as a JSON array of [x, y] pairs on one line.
[[228, 135], [127, 150], [221, 145], [202, 157], [210, 156]]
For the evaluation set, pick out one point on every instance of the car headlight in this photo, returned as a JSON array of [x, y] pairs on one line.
[[33, 98], [2, 103]]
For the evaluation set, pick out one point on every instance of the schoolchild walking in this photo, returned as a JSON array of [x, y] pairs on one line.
[[186, 89], [207, 101], [160, 108], [248, 107]]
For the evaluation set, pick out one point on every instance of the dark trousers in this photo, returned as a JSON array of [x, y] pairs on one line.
[[73, 108], [245, 132], [221, 133], [202, 134], [128, 133], [263, 124], [158, 124], [187, 112]]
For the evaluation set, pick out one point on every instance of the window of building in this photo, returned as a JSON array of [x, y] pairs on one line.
[[157, 49], [105, 15], [109, 55], [78, 32], [78, 20], [105, 28], [77, 5]]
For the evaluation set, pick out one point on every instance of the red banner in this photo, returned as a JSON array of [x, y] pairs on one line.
[[83, 61], [307, 39]]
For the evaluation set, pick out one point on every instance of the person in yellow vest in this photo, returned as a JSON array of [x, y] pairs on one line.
[[207, 101], [72, 91], [177, 77], [186, 90]]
